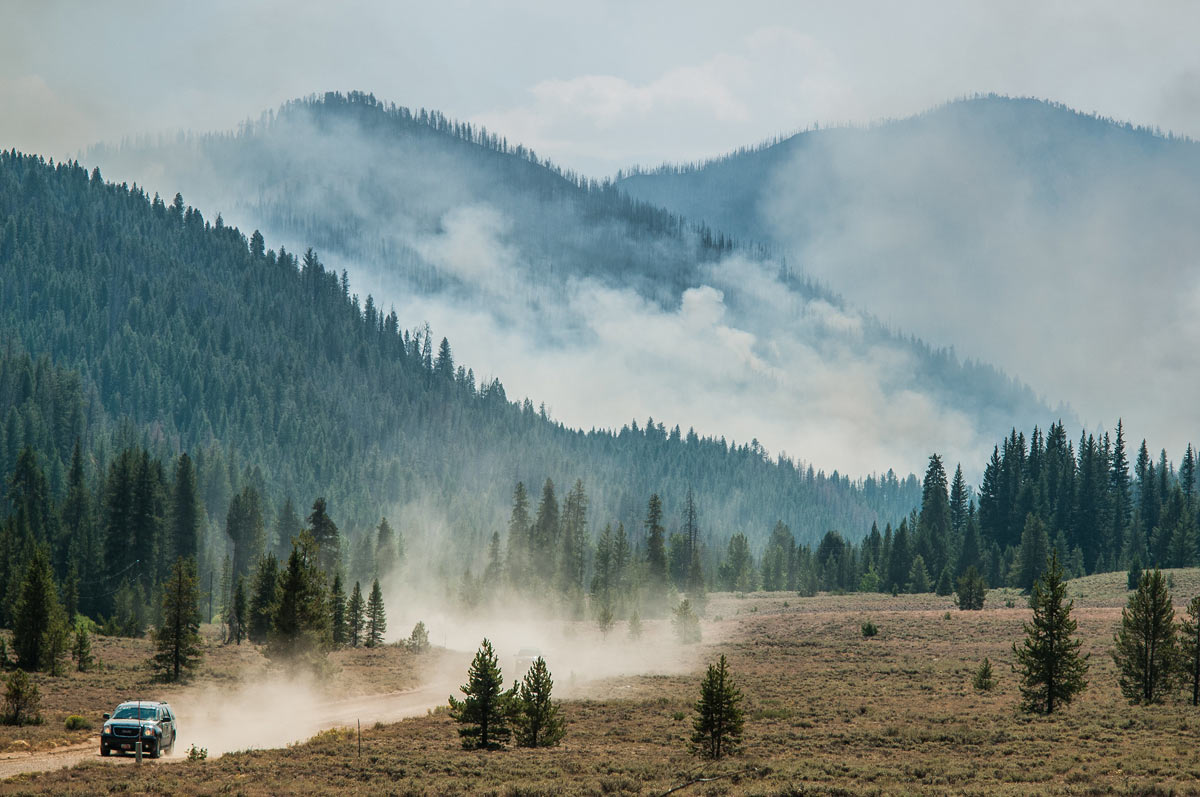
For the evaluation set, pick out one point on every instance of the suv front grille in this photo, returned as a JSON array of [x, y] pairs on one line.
[[120, 731]]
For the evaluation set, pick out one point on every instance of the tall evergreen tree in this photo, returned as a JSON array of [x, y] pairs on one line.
[[1189, 643], [934, 531], [244, 527], [376, 617], [287, 528], [387, 551], [1049, 664], [1032, 556], [177, 639], [337, 612], [264, 599], [355, 616], [717, 728], [656, 549], [572, 564], [484, 711], [517, 553], [185, 510], [325, 537], [538, 722], [301, 622], [39, 637], [1146, 648], [544, 537]]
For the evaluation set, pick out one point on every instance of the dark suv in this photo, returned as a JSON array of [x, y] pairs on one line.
[[152, 722]]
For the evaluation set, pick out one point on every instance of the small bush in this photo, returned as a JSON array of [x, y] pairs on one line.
[[869, 630], [687, 624], [983, 680], [21, 700], [78, 723], [195, 753]]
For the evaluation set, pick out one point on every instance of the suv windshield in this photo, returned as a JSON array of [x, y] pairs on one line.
[[132, 713]]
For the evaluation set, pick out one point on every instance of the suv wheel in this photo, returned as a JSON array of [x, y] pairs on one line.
[[104, 751]]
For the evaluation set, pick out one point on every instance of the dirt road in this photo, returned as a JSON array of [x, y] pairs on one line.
[[220, 729]]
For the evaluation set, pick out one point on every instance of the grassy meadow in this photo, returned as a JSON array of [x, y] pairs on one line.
[[827, 712]]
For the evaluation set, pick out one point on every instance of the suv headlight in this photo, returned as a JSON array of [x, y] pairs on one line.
[[148, 730], [107, 727]]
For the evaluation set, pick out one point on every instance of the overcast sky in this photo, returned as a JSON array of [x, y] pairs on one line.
[[596, 86]]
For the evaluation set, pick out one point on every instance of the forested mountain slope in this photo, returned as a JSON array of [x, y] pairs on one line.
[[605, 307], [1051, 243], [169, 330]]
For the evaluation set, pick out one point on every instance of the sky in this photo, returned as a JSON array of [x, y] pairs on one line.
[[596, 86]]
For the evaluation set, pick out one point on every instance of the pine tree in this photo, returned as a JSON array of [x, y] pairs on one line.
[[387, 552], [337, 611], [971, 590], [239, 612], [517, 553], [983, 680], [1189, 643], [656, 549], [484, 711], [39, 623], [355, 616], [376, 617], [81, 648], [301, 622], [635, 626], [1147, 652], [538, 721], [264, 599], [1049, 664], [325, 537], [1032, 555], [177, 639], [934, 531], [918, 577], [185, 509], [719, 721]]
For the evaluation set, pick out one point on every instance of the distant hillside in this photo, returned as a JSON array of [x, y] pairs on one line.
[[1050, 243], [603, 306], [167, 328]]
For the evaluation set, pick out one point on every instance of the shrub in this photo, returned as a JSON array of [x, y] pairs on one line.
[[418, 641], [78, 723], [21, 700], [869, 630], [195, 753], [983, 679], [970, 590]]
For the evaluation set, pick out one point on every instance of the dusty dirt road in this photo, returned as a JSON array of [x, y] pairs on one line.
[[222, 730]]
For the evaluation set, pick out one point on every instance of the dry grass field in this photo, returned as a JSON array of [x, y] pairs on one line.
[[828, 712]]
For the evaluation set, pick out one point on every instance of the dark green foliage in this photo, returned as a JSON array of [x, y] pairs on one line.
[[983, 680], [656, 549], [869, 630], [945, 583], [301, 622], [686, 623], [918, 577], [264, 599], [1134, 577], [325, 536], [177, 639], [238, 612], [736, 573], [485, 709], [389, 549], [337, 612], [1189, 646], [1146, 648], [971, 590], [22, 700], [245, 529], [538, 723], [376, 617], [185, 509], [1032, 555], [81, 647], [39, 624], [356, 609], [934, 532], [717, 728], [1049, 664]]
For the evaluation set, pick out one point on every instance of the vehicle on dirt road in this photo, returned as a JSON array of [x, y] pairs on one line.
[[150, 722]]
